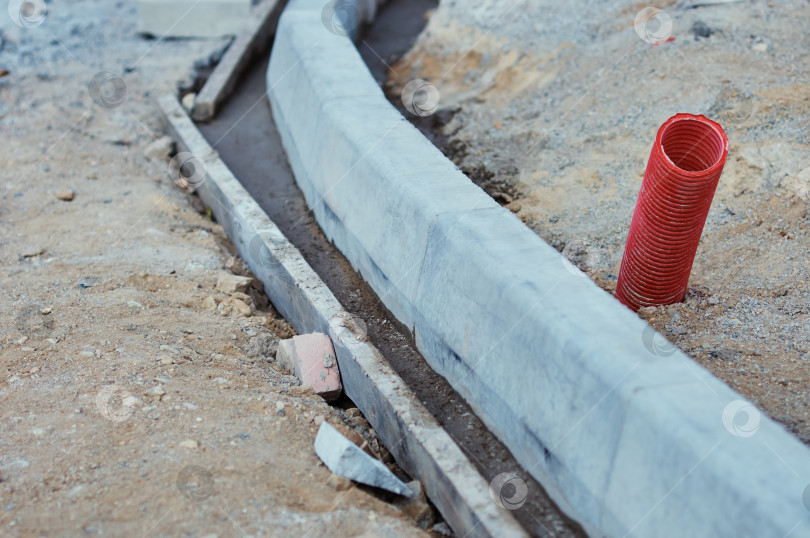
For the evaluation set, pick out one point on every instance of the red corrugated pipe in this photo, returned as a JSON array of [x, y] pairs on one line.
[[685, 164]]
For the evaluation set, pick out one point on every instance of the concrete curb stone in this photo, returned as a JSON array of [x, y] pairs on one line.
[[628, 440]]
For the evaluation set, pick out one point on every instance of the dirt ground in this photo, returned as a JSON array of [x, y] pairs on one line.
[[552, 108], [137, 399]]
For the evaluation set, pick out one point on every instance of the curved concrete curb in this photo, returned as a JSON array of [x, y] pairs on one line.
[[631, 437], [419, 444]]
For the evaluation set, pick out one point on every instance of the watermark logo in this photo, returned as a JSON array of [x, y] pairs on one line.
[[653, 25], [340, 17], [261, 254], [656, 343], [741, 418], [508, 491], [195, 483], [187, 170], [27, 13], [115, 404], [107, 89], [420, 97]]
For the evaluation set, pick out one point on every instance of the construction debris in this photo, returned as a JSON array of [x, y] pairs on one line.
[[231, 284], [311, 358], [344, 458]]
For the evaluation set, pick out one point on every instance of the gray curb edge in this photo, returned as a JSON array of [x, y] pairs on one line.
[[630, 436], [410, 432], [255, 38]]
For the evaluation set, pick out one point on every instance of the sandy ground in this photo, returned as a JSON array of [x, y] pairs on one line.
[[552, 108], [137, 399]]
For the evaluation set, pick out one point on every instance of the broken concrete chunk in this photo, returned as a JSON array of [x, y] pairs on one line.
[[344, 458], [311, 358], [229, 284], [235, 307], [188, 101], [284, 355]]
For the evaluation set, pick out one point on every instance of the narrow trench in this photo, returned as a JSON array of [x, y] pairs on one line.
[[384, 43], [245, 136]]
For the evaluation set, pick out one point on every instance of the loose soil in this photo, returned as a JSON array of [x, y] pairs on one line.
[[137, 399]]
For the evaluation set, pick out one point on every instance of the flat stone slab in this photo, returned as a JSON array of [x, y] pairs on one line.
[[192, 18], [344, 458], [311, 358], [250, 42], [230, 284]]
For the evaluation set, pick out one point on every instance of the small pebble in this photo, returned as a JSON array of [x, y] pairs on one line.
[[190, 444], [340, 483], [132, 402], [157, 390], [45, 311], [67, 196], [188, 101], [280, 409]]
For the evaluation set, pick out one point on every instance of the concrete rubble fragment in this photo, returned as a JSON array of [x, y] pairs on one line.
[[344, 458], [311, 358], [227, 283]]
